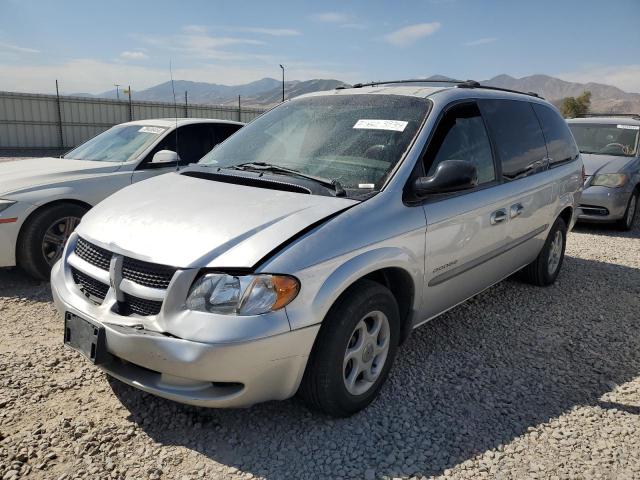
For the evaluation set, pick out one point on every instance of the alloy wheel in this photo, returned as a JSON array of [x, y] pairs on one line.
[[56, 236], [555, 253], [366, 353]]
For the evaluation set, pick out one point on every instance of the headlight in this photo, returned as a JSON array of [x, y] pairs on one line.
[[611, 180], [242, 295], [4, 204]]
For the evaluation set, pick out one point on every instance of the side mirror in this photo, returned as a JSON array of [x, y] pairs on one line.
[[165, 156], [450, 176]]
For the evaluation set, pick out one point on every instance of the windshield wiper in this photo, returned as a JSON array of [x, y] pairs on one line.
[[269, 167]]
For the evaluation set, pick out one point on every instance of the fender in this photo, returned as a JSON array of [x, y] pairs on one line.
[[343, 274]]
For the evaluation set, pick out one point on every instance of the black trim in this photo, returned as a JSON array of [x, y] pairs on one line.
[[454, 272], [258, 182]]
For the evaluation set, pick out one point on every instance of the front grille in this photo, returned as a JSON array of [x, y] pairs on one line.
[[143, 273], [89, 286], [141, 306], [90, 253], [147, 274]]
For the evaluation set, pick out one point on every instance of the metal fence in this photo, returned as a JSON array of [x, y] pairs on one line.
[[33, 121]]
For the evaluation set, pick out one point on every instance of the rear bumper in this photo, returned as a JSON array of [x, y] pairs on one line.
[[236, 374], [602, 204]]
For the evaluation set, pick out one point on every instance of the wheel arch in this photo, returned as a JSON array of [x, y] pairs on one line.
[[40, 208], [393, 268], [566, 214]]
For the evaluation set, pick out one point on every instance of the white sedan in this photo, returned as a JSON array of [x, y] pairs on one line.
[[43, 199]]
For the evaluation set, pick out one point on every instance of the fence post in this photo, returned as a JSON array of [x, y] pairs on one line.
[[130, 105], [59, 116], [239, 110], [186, 105]]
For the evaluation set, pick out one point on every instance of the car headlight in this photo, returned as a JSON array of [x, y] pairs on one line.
[[611, 180], [4, 204], [242, 295]]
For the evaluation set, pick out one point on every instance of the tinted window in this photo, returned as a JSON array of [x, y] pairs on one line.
[[461, 135], [561, 146], [518, 137], [194, 141]]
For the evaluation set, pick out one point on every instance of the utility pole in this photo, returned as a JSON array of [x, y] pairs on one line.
[[239, 110], [282, 82], [130, 104], [59, 116], [186, 105], [117, 85]]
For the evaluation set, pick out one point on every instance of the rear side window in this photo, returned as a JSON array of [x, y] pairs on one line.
[[561, 146], [518, 137]]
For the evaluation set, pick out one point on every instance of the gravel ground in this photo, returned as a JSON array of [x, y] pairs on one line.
[[520, 382]]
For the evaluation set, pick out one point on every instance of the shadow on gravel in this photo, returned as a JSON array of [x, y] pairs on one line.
[[14, 283], [473, 379], [608, 229]]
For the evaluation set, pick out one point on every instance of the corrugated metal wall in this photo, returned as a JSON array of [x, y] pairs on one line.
[[32, 120]]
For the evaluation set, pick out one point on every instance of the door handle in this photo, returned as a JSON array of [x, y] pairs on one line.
[[516, 210], [498, 216]]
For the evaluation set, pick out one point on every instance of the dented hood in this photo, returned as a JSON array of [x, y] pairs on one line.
[[186, 222]]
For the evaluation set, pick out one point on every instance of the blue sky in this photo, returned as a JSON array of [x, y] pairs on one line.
[[89, 46]]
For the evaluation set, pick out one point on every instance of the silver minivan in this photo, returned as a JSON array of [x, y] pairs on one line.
[[298, 255]]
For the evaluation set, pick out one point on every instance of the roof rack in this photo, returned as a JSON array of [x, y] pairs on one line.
[[629, 115], [457, 83]]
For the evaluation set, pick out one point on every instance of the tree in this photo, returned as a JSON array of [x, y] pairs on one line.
[[572, 107]]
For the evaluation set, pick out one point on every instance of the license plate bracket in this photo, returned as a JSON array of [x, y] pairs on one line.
[[86, 337]]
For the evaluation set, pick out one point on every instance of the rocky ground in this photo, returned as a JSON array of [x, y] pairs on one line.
[[520, 382]]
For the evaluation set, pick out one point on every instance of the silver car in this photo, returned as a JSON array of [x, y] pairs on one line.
[[609, 146], [300, 253]]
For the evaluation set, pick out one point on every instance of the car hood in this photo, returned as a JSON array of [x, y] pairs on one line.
[[187, 222], [604, 163], [23, 175]]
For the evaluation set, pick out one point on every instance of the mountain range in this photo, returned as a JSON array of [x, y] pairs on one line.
[[268, 91]]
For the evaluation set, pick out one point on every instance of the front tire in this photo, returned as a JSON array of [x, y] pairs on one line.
[[354, 351], [544, 270], [44, 236], [626, 222]]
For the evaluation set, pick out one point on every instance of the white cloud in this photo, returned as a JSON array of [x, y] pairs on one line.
[[94, 76], [275, 32], [16, 49], [625, 77], [195, 42], [332, 17], [408, 35], [196, 29], [480, 41], [135, 55]]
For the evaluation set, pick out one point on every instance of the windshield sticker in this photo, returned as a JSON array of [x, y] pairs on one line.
[[366, 185], [394, 125], [630, 127], [154, 130]]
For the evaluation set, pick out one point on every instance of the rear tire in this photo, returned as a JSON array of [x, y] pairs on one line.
[[354, 351], [626, 222], [544, 270], [43, 237]]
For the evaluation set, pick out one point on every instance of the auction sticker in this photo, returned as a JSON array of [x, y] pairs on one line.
[[154, 130], [395, 125], [630, 127]]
